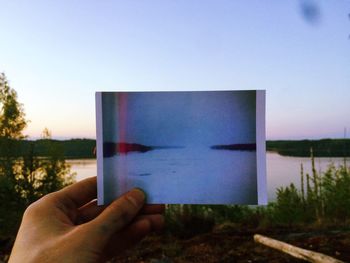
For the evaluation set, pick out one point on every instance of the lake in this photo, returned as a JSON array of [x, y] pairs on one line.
[[281, 170]]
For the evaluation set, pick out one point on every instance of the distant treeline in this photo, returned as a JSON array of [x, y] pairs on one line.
[[70, 149], [235, 147], [320, 148], [84, 148]]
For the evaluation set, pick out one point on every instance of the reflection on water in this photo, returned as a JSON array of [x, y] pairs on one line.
[[83, 168], [281, 170]]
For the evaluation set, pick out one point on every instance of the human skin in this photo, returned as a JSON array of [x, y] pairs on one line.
[[68, 226]]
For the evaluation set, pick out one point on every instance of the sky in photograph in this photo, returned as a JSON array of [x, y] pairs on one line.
[[180, 118], [56, 54]]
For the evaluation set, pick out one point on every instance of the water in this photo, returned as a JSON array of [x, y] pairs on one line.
[[281, 170], [83, 168]]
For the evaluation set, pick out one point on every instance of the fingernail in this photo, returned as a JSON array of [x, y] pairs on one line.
[[144, 193], [136, 197]]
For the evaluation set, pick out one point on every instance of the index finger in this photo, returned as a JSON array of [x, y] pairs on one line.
[[81, 192]]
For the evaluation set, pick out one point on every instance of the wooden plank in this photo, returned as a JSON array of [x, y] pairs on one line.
[[294, 251]]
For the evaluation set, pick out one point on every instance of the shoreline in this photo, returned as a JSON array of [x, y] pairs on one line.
[[84, 148]]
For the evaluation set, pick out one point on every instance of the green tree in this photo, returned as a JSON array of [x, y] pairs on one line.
[[55, 172], [42, 175], [12, 117], [288, 208], [336, 195], [24, 176], [12, 123]]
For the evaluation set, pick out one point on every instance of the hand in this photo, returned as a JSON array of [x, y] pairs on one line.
[[68, 226]]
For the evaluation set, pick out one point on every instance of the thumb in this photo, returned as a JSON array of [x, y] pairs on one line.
[[115, 217]]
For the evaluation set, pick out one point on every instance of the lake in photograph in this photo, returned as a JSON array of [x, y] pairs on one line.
[[281, 170], [194, 175]]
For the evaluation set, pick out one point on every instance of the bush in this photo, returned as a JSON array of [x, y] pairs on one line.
[[186, 221], [289, 208], [336, 194]]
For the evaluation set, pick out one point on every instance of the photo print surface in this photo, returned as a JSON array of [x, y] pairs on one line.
[[199, 147]]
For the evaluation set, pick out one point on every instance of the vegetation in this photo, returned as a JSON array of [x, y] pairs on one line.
[[321, 148], [70, 149], [323, 200], [24, 175]]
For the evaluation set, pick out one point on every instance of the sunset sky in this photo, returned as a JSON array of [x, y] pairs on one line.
[[56, 54]]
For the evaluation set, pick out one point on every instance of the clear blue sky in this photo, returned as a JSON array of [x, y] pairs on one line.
[[56, 54]]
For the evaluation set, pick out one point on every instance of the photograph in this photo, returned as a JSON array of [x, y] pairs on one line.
[[199, 147]]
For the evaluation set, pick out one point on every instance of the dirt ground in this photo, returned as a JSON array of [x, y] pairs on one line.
[[226, 244], [229, 243]]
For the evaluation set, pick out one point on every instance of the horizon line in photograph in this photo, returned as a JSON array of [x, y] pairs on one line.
[[114, 148]]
